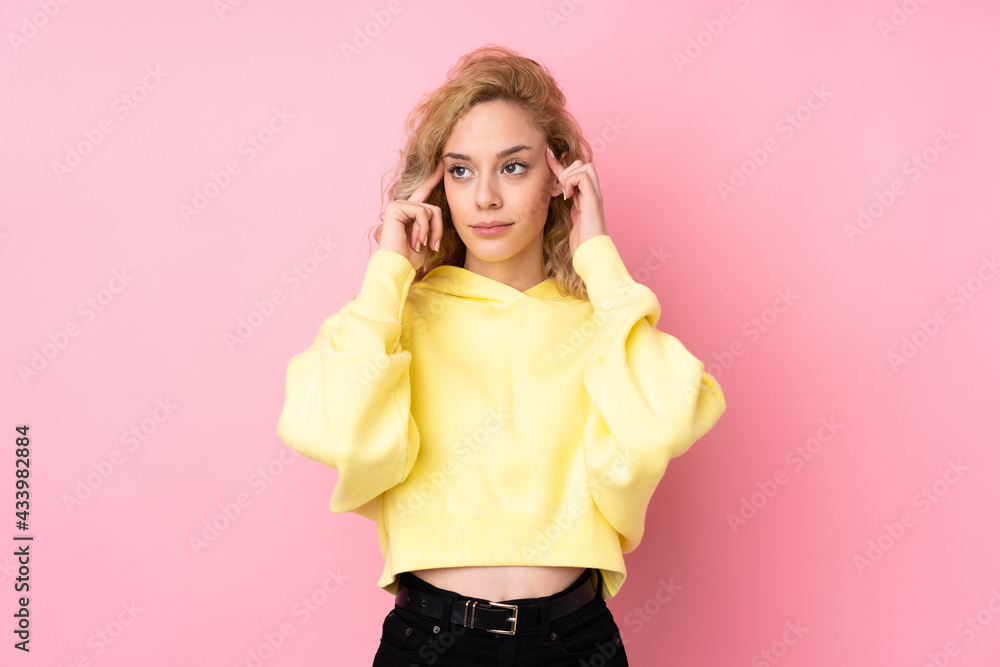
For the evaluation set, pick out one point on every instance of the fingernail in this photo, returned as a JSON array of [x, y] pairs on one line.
[[437, 245], [549, 151]]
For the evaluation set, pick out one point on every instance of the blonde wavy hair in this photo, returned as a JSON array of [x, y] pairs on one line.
[[491, 72]]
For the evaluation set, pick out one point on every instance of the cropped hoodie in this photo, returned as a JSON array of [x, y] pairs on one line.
[[477, 424]]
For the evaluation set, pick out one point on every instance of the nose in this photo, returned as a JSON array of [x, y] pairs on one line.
[[486, 193]]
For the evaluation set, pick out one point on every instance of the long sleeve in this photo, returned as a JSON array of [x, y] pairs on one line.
[[652, 399], [347, 397]]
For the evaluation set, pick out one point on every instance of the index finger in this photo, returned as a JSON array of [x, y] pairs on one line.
[[554, 165], [424, 189]]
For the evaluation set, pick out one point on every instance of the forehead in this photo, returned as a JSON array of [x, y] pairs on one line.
[[492, 126]]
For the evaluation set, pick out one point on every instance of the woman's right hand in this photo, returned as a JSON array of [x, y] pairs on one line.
[[410, 225]]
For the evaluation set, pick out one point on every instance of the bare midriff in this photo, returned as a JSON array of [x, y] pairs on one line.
[[501, 582]]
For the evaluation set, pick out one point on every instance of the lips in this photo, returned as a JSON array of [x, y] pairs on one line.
[[492, 228], [488, 225]]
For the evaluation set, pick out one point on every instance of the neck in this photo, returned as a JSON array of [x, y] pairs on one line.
[[522, 272]]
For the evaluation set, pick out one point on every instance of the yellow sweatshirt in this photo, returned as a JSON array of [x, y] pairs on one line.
[[480, 425]]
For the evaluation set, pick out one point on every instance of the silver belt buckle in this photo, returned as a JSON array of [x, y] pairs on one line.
[[511, 619]]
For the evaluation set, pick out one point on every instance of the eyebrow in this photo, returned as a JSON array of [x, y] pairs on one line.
[[501, 155]]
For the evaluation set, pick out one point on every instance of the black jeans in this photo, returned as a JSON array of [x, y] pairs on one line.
[[587, 637]]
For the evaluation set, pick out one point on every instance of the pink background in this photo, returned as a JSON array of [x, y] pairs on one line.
[[120, 562]]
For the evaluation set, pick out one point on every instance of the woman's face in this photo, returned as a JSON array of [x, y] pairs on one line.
[[495, 172]]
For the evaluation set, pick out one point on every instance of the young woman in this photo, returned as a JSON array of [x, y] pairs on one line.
[[496, 397]]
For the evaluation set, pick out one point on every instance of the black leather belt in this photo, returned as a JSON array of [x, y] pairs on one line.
[[499, 617]]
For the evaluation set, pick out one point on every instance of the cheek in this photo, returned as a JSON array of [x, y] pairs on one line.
[[537, 203], [451, 196]]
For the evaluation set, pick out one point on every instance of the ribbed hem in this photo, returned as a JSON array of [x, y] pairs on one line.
[[504, 538], [609, 284], [386, 282]]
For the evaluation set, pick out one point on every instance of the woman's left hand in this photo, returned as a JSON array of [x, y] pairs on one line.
[[579, 182]]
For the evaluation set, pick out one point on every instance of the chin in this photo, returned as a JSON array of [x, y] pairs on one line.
[[496, 253]]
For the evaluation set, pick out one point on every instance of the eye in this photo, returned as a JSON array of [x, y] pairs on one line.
[[514, 163], [454, 169]]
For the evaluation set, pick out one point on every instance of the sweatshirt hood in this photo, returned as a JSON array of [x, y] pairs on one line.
[[460, 282]]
